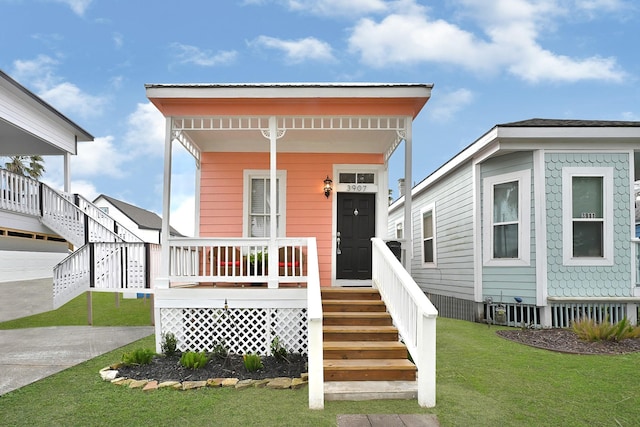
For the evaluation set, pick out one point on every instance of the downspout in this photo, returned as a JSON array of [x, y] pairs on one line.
[[67, 170], [273, 191], [408, 179]]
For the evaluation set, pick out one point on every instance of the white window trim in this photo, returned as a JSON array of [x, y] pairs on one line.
[[606, 173], [400, 223], [249, 174], [523, 178], [431, 207]]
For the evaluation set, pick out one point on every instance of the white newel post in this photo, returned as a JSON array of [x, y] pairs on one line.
[[427, 362]]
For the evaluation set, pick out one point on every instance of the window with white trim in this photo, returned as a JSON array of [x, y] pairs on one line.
[[507, 213], [587, 216], [259, 203], [428, 235], [399, 229]]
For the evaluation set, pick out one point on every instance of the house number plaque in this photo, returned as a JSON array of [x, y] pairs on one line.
[[357, 188]]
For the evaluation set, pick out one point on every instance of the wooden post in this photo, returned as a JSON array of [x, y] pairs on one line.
[[90, 308]]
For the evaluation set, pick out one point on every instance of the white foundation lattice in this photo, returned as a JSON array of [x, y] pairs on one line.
[[241, 330]]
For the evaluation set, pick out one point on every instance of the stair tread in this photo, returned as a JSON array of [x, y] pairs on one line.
[[364, 364], [339, 314], [363, 328], [365, 345], [353, 301]]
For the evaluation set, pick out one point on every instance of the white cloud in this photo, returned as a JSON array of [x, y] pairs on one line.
[[98, 157], [339, 7], [145, 133], [297, 51], [85, 188], [77, 6], [509, 42], [187, 54], [118, 40], [183, 216], [446, 105], [62, 95]]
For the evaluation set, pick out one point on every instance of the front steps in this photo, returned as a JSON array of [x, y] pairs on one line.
[[362, 355]]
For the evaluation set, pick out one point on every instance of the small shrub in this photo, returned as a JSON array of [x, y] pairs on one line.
[[252, 362], [169, 344], [139, 356], [220, 350], [278, 350], [590, 330], [194, 360]]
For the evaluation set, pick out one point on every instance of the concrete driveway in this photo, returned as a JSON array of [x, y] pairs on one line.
[[28, 355]]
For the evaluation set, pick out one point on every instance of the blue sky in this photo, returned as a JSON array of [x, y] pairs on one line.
[[491, 61]]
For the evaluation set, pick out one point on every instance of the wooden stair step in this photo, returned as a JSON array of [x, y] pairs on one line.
[[359, 333], [371, 318], [364, 350], [353, 305], [369, 370], [355, 293]]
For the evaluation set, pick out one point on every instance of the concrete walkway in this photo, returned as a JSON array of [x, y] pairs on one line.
[[28, 355], [388, 420]]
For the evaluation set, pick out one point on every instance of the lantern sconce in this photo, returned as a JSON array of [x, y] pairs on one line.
[[328, 186]]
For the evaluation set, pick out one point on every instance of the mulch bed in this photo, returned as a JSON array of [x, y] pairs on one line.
[[566, 341], [164, 368]]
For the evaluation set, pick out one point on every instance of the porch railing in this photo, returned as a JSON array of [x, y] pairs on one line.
[[413, 314], [105, 220], [111, 267], [248, 260], [314, 319], [19, 193]]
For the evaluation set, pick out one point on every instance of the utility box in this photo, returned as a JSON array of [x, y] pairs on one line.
[[396, 248]]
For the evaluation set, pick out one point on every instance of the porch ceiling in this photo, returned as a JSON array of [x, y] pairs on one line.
[[18, 142]]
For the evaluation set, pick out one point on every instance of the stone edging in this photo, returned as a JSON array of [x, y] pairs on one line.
[[110, 373]]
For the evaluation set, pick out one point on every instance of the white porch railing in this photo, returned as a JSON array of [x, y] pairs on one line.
[[248, 260], [413, 314], [19, 193], [314, 319], [105, 220], [106, 267]]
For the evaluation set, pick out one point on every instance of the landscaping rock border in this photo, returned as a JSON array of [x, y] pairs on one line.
[[111, 374]]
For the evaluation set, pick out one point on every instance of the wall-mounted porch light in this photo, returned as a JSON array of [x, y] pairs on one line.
[[328, 186]]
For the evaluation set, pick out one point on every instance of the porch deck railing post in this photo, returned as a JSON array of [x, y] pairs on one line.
[[314, 316]]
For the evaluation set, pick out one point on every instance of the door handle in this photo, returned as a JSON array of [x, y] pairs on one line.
[[338, 250]]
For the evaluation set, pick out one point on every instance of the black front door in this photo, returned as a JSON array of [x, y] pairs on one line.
[[356, 227]]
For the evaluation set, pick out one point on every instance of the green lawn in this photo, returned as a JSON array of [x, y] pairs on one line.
[[129, 312], [483, 380]]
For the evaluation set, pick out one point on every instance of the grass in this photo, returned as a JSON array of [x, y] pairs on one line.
[[483, 380], [131, 312]]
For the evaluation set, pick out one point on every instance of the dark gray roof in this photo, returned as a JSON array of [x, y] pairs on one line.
[[570, 123], [145, 219]]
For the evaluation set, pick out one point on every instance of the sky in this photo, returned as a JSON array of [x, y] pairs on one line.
[[491, 62]]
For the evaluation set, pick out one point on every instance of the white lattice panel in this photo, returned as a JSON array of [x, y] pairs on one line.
[[242, 330]]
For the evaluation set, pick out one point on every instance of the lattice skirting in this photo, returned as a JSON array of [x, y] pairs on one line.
[[242, 330]]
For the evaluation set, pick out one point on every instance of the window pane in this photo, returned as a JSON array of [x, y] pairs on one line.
[[427, 224], [258, 195], [587, 239], [365, 178], [428, 250], [259, 226], [505, 241], [587, 197], [399, 230], [348, 178], [505, 202]]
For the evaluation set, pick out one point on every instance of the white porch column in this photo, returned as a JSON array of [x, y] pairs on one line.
[[67, 172], [408, 182], [273, 191], [163, 280]]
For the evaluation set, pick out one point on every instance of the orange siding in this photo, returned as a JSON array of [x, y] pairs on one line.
[[309, 213]]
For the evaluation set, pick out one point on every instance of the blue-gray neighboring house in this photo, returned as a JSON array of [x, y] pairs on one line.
[[532, 224]]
